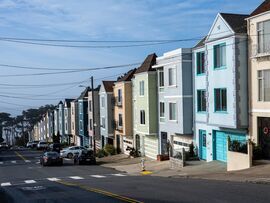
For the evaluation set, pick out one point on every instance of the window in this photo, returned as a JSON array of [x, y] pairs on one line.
[[142, 117], [172, 108], [73, 126], [66, 127], [66, 112], [141, 88], [172, 76], [161, 78], [264, 85], [90, 106], [90, 124], [200, 63], [119, 96], [162, 111], [72, 110], [201, 100], [81, 126], [220, 55], [81, 108], [102, 102], [103, 122], [220, 99], [120, 120], [263, 33]]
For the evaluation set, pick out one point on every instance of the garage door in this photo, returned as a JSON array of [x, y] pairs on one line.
[[220, 144], [151, 146]]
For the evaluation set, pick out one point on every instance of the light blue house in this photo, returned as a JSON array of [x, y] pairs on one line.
[[175, 106], [220, 87]]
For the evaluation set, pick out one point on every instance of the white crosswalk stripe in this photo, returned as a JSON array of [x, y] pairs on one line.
[[14, 162], [76, 177], [27, 161], [1, 162], [98, 176], [30, 181], [53, 179], [119, 175], [5, 184]]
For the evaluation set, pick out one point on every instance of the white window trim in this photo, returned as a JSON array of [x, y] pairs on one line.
[[176, 109], [175, 85], [144, 118]]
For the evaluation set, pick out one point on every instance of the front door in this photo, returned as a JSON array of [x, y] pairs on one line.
[[264, 136], [202, 134], [138, 145], [118, 148], [164, 144]]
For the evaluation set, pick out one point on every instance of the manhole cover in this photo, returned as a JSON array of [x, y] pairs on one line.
[[33, 188]]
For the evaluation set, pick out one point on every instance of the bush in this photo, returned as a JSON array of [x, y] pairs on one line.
[[101, 153], [109, 149], [191, 150]]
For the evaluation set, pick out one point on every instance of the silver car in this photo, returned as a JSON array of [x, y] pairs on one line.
[[70, 152]]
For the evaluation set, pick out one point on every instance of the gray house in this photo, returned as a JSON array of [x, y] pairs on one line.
[[61, 121], [67, 120], [175, 100], [106, 101]]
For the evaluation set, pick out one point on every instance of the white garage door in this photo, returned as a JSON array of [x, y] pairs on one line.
[[151, 146]]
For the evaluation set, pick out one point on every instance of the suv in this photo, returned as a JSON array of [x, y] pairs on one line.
[[42, 145], [70, 152], [55, 147], [85, 157]]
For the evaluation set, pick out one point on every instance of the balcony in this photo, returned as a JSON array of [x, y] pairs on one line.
[[259, 52], [118, 101]]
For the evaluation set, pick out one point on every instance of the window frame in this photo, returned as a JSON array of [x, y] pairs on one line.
[[214, 56], [141, 85], [175, 76], [161, 81], [260, 33], [175, 103], [221, 104], [120, 115], [200, 110], [142, 117], [198, 66], [262, 78], [162, 118]]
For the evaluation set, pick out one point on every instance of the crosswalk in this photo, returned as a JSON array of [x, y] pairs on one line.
[[13, 162], [56, 179]]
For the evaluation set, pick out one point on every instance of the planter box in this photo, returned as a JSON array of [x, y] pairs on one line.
[[161, 157]]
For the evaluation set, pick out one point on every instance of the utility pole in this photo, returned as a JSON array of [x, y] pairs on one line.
[[93, 113]]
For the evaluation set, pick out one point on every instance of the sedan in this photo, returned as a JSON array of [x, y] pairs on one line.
[[70, 152], [51, 158]]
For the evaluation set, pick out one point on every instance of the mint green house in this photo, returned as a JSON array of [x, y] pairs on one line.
[[145, 116]]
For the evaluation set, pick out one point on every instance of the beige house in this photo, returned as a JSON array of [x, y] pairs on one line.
[[259, 76], [75, 139], [123, 133]]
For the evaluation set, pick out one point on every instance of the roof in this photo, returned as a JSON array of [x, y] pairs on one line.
[[127, 76], [108, 85], [84, 93], [146, 66], [264, 7], [236, 21], [201, 42], [67, 101]]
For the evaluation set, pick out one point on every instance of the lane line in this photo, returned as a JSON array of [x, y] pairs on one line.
[[98, 176], [1, 162], [5, 184], [119, 175], [76, 177], [19, 155], [14, 162], [100, 191], [53, 179], [27, 161], [30, 181]]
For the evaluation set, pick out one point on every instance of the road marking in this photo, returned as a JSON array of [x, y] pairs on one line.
[[97, 176], [38, 162], [146, 172], [76, 177], [99, 191], [27, 161], [30, 181], [19, 155], [1, 162], [5, 184], [119, 175], [53, 179], [14, 162]]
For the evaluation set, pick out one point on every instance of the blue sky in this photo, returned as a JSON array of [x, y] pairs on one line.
[[94, 20]]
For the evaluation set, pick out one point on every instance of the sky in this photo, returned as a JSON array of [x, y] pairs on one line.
[[92, 20]]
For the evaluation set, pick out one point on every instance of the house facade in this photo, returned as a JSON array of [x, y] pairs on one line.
[[106, 109], [259, 69], [83, 117], [56, 120], [94, 115], [175, 96], [220, 87], [67, 120], [50, 125], [75, 138], [123, 133], [61, 121], [145, 109]]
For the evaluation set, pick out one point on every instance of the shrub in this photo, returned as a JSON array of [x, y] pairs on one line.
[[101, 153], [191, 150], [109, 149]]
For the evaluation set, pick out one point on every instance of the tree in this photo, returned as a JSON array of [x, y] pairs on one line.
[[4, 119]]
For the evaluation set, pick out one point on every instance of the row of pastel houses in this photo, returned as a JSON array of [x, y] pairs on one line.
[[202, 95]]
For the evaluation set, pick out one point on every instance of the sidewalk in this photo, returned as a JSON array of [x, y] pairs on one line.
[[215, 170]]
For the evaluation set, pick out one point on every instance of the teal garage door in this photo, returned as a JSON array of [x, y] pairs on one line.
[[220, 143]]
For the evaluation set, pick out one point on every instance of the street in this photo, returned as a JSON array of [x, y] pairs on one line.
[[23, 179]]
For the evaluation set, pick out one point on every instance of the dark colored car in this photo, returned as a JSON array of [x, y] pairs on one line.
[[34, 144], [55, 147], [85, 157], [51, 158]]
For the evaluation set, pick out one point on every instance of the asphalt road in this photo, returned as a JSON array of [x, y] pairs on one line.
[[22, 179]]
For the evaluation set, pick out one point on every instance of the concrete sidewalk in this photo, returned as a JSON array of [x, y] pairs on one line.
[[215, 170]]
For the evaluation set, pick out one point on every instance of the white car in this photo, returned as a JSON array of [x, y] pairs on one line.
[[69, 152], [42, 145]]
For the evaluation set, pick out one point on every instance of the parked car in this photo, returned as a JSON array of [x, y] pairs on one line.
[[29, 144], [69, 152], [42, 145], [34, 144], [85, 157], [51, 158], [55, 147], [4, 145]]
